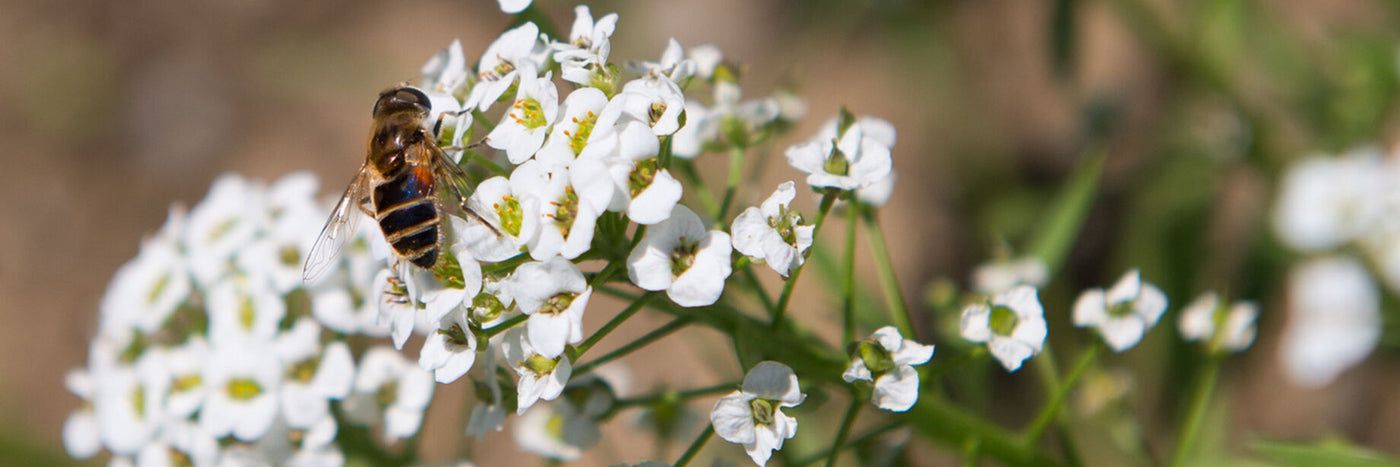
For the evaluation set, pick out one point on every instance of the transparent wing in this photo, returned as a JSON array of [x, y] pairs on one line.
[[338, 230], [456, 180]]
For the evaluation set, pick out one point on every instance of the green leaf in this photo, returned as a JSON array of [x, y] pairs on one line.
[[1330, 452], [1063, 34], [1061, 225]]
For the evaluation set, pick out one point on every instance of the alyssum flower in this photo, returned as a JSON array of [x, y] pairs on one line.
[[753, 416], [681, 257], [773, 233], [1122, 314], [887, 360], [1011, 323], [1222, 328]]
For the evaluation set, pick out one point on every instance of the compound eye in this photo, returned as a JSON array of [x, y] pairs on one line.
[[403, 97]]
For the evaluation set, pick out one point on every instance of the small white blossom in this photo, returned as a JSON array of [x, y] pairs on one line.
[[681, 257], [541, 378], [707, 57], [220, 225], [856, 158], [586, 53], [888, 360], [502, 63], [388, 382], [129, 403], [1011, 323], [1000, 276], [185, 364], [570, 201], [554, 294], [1326, 202], [773, 233], [508, 206], [657, 103], [446, 72], [571, 133], [521, 133], [81, 436], [514, 6], [1124, 313], [728, 119], [450, 351], [316, 374], [243, 382], [673, 66], [1334, 320], [642, 188], [1228, 329], [145, 291], [180, 441], [245, 311], [753, 416]]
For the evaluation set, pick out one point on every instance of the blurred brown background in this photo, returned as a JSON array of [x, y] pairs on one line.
[[110, 111]]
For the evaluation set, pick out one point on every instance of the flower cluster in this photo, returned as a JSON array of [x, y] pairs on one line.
[[1333, 209]]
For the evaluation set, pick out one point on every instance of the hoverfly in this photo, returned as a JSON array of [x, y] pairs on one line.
[[398, 186]]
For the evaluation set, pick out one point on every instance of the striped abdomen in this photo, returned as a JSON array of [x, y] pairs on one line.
[[408, 215]]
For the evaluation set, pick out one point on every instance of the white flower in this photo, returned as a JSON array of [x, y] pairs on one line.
[[223, 223], [570, 201], [450, 351], [243, 382], [146, 290], [541, 378], [348, 311], [81, 436], [1326, 202], [316, 448], [679, 256], [180, 441], [641, 187], [586, 53], [315, 374], [489, 415], [887, 359], [521, 133], [556, 430], [673, 65], [185, 364], [502, 62], [554, 294], [850, 161], [396, 306], [707, 57], [773, 233], [1124, 313], [1228, 329], [753, 416], [658, 103], [1000, 276], [243, 312], [446, 71], [1334, 320], [878, 193], [397, 387], [729, 119], [508, 206], [1011, 323], [514, 6], [571, 133]]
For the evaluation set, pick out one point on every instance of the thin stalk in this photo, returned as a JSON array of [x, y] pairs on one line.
[[488, 163], [899, 311], [828, 200], [1200, 402], [736, 171], [757, 286], [848, 289], [845, 429], [660, 332], [707, 198], [504, 325], [612, 324], [694, 448], [1050, 378], [1057, 399]]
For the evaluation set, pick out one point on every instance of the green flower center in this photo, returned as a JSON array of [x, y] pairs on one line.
[[558, 303], [158, 288], [243, 389], [456, 336], [289, 255], [566, 210], [579, 138], [555, 425], [179, 459], [786, 224], [186, 382], [876, 358], [511, 214], [449, 271], [763, 411], [539, 365], [1003, 321], [138, 401], [641, 177], [246, 313], [683, 257], [304, 370], [222, 229], [836, 162], [387, 394], [528, 113], [655, 112], [1119, 310]]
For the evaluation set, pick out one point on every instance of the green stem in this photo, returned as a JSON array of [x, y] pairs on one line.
[[848, 289], [612, 324], [694, 448], [488, 163], [747, 271], [1057, 399], [659, 333], [736, 171], [507, 324], [849, 444], [1200, 402], [707, 198], [828, 200], [507, 265], [899, 311], [676, 395], [845, 429]]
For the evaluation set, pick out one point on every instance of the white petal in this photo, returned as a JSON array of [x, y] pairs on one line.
[[732, 418], [655, 203], [898, 390], [1009, 352], [1150, 305], [1090, 308], [773, 381], [703, 283], [1122, 333], [975, 324], [80, 435], [1198, 319], [1127, 289], [548, 332], [857, 372]]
